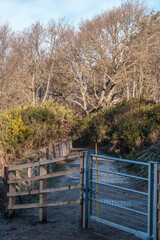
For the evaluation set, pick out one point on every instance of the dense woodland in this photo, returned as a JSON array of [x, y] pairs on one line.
[[114, 56], [108, 60]]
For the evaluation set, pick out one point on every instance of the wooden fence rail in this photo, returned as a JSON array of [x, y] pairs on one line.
[[12, 181], [44, 162]]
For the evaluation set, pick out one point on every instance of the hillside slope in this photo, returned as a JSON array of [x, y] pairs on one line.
[[147, 154]]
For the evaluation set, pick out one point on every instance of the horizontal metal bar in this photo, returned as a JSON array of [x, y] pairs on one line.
[[119, 159], [139, 234], [115, 186], [140, 218], [118, 173], [116, 205]]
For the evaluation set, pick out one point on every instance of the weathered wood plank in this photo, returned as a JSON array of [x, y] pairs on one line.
[[23, 206], [56, 174], [60, 203], [47, 190], [62, 188], [23, 193], [35, 205], [158, 225], [27, 165]]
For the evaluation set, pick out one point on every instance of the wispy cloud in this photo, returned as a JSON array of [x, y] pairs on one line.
[[21, 13]]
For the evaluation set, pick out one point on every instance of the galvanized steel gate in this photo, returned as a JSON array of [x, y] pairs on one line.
[[115, 196]]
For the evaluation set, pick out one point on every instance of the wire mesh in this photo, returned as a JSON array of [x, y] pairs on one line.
[[119, 199]]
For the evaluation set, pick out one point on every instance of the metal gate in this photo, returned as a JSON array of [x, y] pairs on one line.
[[121, 198]]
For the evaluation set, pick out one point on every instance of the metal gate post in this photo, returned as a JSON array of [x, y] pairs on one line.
[[85, 189], [150, 200], [90, 186], [158, 202], [155, 199]]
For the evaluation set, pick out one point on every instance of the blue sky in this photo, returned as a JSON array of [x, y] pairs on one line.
[[21, 13]]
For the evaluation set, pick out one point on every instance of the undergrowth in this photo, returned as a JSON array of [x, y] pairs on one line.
[[125, 128], [31, 127]]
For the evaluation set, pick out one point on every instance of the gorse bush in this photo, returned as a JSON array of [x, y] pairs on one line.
[[33, 126], [18, 132], [89, 130], [127, 127], [123, 129]]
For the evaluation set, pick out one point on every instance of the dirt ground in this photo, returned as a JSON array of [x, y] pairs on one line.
[[62, 222], [59, 228]]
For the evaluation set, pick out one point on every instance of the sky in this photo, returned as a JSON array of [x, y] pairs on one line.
[[22, 13]]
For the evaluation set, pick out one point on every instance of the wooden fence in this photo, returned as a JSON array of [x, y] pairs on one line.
[[11, 180]]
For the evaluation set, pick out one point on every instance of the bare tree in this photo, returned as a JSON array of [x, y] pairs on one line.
[[111, 57], [99, 57]]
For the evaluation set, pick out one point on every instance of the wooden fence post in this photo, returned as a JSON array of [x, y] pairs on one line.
[[6, 189], [42, 196], [81, 191], [47, 153], [47, 158], [54, 156], [12, 189], [59, 149], [54, 153], [29, 181]]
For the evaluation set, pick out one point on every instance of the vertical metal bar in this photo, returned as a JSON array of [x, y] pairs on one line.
[[81, 191], [155, 198], [150, 198], [85, 191], [90, 187], [97, 180], [158, 205]]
